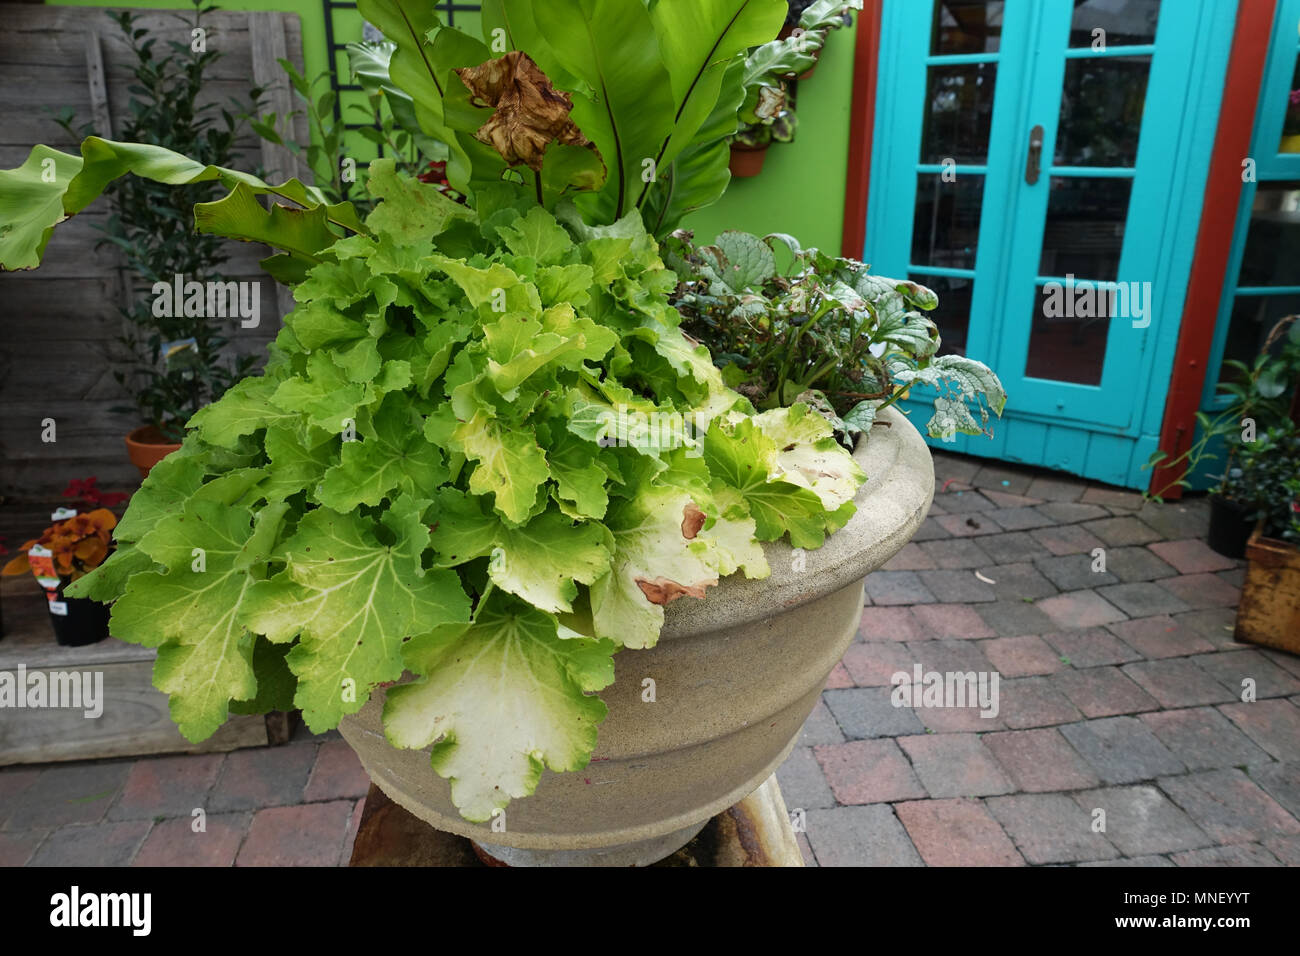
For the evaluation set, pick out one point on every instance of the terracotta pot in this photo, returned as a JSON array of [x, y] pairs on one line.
[[736, 676], [1269, 610], [747, 161], [146, 446]]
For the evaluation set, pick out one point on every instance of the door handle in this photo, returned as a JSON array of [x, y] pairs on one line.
[[1035, 163]]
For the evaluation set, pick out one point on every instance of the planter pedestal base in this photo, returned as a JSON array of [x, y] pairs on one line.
[[754, 832]]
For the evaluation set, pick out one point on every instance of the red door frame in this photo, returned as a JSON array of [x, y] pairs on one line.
[[866, 56], [1214, 242], [1218, 210]]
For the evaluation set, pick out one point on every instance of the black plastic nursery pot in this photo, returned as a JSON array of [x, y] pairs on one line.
[[1230, 527], [77, 621]]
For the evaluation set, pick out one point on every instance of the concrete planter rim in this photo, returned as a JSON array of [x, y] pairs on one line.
[[891, 505]]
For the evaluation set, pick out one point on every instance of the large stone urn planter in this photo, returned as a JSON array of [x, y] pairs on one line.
[[735, 677]]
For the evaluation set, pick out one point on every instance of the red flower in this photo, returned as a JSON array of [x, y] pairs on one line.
[[436, 173], [87, 489]]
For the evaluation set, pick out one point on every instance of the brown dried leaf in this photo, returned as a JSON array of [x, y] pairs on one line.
[[692, 520], [662, 591], [530, 113]]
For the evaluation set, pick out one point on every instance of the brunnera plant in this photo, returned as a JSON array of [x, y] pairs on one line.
[[482, 452], [826, 331]]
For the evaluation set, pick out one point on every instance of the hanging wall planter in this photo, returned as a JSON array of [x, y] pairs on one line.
[[747, 161], [734, 677]]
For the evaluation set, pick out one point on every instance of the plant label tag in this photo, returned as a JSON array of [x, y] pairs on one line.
[[41, 560], [61, 514], [59, 607]]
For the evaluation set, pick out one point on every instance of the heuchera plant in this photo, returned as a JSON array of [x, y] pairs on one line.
[[824, 331], [482, 451]]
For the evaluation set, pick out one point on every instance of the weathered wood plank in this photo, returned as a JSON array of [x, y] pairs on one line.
[[134, 721], [61, 322]]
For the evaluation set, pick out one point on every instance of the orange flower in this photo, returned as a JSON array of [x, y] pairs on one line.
[[79, 544]]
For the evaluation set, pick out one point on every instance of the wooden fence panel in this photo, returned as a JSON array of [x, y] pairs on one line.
[[59, 325]]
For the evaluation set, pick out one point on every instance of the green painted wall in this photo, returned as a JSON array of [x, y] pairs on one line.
[[801, 188], [800, 191]]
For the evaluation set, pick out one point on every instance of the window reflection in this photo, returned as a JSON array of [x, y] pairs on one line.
[[1253, 317], [1272, 254], [966, 26], [953, 314], [1067, 340], [1101, 111], [1291, 121], [958, 113], [1121, 22], [946, 225], [1084, 231]]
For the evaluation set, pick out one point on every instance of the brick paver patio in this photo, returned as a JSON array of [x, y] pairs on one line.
[[1121, 737]]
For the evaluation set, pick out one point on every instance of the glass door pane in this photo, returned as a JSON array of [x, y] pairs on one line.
[[1082, 258], [961, 82]]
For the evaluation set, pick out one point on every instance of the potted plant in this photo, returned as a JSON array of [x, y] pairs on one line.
[[825, 332], [1269, 612], [767, 108], [483, 456], [1258, 395], [1291, 125], [749, 145], [809, 23], [65, 552], [176, 341]]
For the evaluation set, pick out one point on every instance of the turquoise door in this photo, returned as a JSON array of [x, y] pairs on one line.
[[1039, 163]]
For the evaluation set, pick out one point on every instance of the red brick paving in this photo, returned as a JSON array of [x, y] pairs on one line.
[[1192, 556], [956, 621], [868, 771], [306, 835], [176, 842], [1040, 761], [1023, 656], [957, 833], [336, 774]]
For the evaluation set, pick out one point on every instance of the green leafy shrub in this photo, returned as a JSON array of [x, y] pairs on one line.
[[1267, 481], [824, 331], [1259, 398], [179, 363]]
